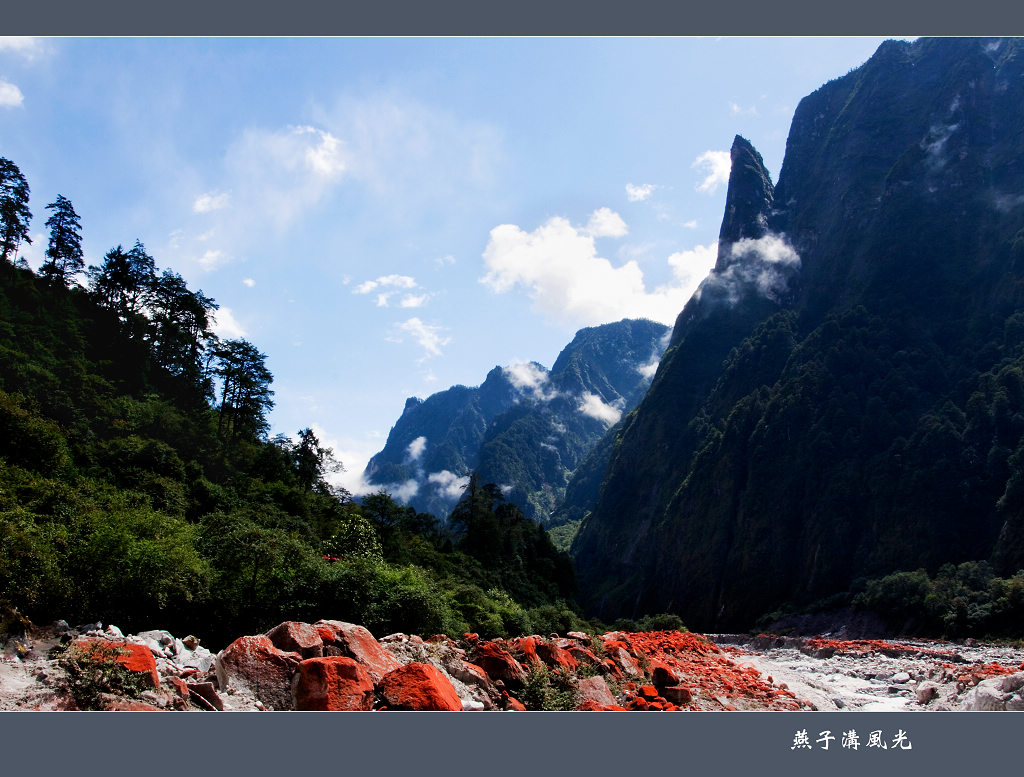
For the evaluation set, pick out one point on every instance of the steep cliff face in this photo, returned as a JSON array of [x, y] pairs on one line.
[[525, 428], [843, 396]]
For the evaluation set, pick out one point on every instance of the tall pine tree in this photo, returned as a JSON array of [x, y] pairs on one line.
[[64, 254], [14, 213]]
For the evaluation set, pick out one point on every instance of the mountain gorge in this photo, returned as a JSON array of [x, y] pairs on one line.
[[843, 397], [525, 428]]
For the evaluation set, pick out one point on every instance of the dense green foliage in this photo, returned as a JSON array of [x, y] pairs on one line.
[[968, 599], [138, 486]]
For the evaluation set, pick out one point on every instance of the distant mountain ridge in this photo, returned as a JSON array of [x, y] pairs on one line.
[[525, 428], [843, 397]]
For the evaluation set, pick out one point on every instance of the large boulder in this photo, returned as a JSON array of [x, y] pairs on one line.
[[255, 664], [595, 691], [137, 659], [334, 683], [499, 664], [353, 641], [301, 638], [997, 693], [418, 687]]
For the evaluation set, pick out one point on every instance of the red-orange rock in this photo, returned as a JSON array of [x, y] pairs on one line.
[[357, 642], [662, 675], [499, 664], [418, 686], [649, 692], [333, 683], [253, 662], [679, 694], [295, 637], [555, 657], [528, 647], [137, 659], [513, 704]]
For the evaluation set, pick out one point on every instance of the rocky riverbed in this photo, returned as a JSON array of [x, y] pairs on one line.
[[333, 665]]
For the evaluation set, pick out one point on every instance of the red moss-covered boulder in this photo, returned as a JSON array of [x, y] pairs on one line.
[[662, 675], [334, 683], [353, 641], [418, 686], [527, 646], [512, 704], [254, 662], [137, 659], [678, 694], [556, 657], [499, 664], [295, 637], [593, 706]]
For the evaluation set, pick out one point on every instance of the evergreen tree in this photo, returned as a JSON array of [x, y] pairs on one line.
[[64, 254], [14, 213], [180, 326], [245, 391], [125, 281]]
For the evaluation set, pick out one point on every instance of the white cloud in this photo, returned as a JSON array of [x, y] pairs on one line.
[[592, 405], [737, 110], [526, 375], [448, 483], [10, 95], [604, 222], [403, 492], [225, 325], [249, 282], [416, 447], [649, 368], [280, 175], [212, 259], [210, 201], [382, 299], [639, 192], [441, 261], [414, 300], [25, 46], [427, 335], [530, 378], [764, 265], [692, 224], [558, 266], [715, 166], [396, 281]]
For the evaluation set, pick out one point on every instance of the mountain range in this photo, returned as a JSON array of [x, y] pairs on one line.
[[525, 428]]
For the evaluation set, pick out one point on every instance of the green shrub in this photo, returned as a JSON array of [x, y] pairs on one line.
[[93, 671]]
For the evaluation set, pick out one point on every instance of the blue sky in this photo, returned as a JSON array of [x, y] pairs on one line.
[[385, 218]]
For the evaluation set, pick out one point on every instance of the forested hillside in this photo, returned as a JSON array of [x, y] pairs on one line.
[[138, 484]]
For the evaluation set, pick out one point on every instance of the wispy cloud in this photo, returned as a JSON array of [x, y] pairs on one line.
[[443, 261], [530, 378], [738, 110], [212, 259], [639, 192], [26, 46], [558, 266], [415, 449], [414, 300], [428, 336], [10, 95], [249, 282], [593, 406], [715, 167], [448, 483], [394, 281], [210, 201]]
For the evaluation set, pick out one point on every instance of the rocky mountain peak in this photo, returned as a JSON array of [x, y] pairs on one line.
[[748, 202]]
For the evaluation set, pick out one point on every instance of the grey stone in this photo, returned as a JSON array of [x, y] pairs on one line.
[[927, 691]]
